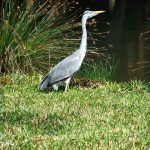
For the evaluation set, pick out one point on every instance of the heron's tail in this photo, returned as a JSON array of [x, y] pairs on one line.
[[44, 83]]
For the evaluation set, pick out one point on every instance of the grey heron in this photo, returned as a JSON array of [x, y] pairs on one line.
[[66, 68]]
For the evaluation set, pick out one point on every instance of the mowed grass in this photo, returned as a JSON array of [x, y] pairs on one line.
[[113, 116]]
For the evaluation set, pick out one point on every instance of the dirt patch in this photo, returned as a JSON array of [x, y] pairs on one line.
[[86, 83]]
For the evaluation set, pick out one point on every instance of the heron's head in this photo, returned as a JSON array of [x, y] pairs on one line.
[[89, 14]]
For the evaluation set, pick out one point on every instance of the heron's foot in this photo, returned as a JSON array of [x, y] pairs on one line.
[[55, 87]]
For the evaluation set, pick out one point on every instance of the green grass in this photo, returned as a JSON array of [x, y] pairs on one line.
[[99, 70], [113, 116]]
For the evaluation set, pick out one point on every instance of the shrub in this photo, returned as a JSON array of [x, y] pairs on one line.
[[32, 37]]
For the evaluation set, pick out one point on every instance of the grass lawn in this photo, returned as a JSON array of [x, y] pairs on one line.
[[113, 116]]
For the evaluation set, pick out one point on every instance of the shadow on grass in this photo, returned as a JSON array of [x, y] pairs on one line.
[[50, 124]]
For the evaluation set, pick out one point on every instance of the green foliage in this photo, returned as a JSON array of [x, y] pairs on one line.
[[112, 116], [99, 70], [31, 38]]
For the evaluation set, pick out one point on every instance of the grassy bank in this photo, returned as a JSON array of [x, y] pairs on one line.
[[113, 116]]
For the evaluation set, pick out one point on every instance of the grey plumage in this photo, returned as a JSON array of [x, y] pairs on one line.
[[66, 68], [63, 70]]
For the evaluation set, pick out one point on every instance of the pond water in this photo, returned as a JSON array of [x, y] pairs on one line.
[[131, 45], [131, 41], [133, 56]]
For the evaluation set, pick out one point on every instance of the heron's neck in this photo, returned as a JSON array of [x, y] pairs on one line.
[[83, 44]]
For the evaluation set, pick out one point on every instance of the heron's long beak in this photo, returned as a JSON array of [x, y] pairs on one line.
[[99, 12]]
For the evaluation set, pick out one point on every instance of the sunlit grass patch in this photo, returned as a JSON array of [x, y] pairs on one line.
[[115, 115]]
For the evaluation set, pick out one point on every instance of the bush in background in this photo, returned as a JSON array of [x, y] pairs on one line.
[[32, 37]]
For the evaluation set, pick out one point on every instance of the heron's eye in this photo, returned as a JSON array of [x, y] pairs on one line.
[[87, 12]]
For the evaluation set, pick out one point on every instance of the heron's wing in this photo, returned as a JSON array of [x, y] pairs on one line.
[[66, 68]]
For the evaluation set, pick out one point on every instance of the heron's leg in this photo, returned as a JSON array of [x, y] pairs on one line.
[[67, 83], [55, 87]]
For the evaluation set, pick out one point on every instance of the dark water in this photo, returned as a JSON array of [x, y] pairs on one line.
[[134, 58], [128, 28]]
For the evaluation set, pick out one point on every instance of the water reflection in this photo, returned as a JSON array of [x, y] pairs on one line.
[[129, 47], [133, 57]]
